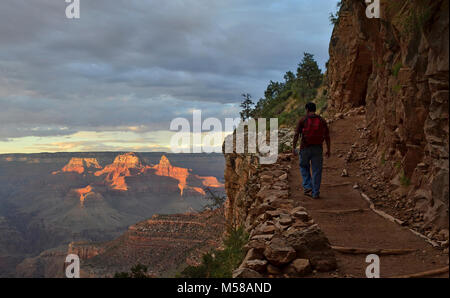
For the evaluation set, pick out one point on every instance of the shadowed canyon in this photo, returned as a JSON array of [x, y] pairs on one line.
[[51, 202]]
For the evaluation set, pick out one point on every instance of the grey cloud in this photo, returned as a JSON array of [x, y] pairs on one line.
[[144, 62]]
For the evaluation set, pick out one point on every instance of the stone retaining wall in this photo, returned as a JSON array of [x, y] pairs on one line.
[[284, 241]]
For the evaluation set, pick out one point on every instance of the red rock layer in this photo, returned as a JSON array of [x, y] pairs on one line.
[[79, 165], [164, 168], [83, 192], [121, 168], [127, 165]]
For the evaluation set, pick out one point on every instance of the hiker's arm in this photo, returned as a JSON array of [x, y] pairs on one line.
[[327, 139], [297, 133]]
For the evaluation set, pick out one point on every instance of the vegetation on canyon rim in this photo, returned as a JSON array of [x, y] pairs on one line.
[[286, 100], [220, 263], [137, 271]]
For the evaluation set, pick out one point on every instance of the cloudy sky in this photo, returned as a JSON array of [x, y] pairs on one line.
[[115, 78]]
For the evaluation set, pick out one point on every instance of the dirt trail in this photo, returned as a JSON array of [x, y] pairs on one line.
[[364, 229]]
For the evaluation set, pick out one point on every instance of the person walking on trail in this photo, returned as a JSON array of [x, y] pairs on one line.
[[314, 131]]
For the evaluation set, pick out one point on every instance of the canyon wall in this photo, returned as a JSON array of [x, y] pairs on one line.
[[397, 67], [163, 243]]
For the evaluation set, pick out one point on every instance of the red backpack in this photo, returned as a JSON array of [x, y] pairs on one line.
[[313, 130]]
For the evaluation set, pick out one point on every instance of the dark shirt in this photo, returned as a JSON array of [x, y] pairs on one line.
[[299, 129]]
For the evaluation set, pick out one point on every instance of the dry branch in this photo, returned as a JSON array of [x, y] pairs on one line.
[[424, 273], [342, 211]]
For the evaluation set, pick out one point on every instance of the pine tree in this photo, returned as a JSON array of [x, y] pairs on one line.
[[308, 72], [247, 107]]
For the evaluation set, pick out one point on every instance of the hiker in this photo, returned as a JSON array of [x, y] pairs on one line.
[[314, 131]]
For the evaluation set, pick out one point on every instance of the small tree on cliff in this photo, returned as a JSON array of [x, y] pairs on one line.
[[220, 263], [215, 199], [334, 17], [308, 72], [247, 106]]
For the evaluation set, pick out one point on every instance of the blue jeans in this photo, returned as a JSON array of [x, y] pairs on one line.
[[311, 157]]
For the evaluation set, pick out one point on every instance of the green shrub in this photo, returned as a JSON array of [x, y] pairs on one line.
[[397, 88], [396, 69], [220, 263], [286, 100], [404, 180], [334, 17], [137, 271], [321, 102]]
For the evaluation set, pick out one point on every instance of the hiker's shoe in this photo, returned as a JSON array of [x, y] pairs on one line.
[[315, 197], [307, 192]]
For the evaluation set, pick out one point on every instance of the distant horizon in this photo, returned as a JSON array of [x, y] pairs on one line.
[[126, 151]]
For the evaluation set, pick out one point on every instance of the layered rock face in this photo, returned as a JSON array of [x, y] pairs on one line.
[[284, 240], [124, 165], [163, 243], [397, 67], [84, 250], [80, 165], [164, 168]]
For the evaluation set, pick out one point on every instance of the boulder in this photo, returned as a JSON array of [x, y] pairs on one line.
[[278, 252], [311, 243], [258, 245], [302, 215], [257, 265], [253, 254], [285, 219], [298, 267]]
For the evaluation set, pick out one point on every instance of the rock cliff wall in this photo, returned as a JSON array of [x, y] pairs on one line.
[[397, 67]]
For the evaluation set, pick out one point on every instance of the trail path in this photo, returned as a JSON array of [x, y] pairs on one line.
[[346, 227]]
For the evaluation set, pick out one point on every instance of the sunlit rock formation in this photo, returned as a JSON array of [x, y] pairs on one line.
[[80, 165], [124, 165], [164, 168], [83, 192]]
